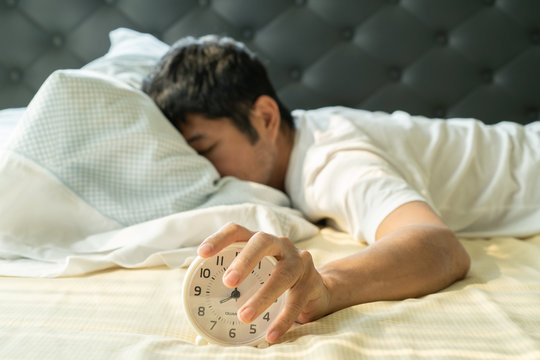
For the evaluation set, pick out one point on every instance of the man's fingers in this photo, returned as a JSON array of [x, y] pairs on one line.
[[228, 234], [294, 304], [284, 275], [297, 299], [258, 246], [295, 273]]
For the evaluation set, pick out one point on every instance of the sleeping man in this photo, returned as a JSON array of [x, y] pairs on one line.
[[403, 184]]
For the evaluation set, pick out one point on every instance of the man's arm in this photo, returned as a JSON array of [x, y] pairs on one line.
[[415, 254]]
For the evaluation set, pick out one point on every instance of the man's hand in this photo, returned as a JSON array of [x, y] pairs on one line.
[[308, 297]]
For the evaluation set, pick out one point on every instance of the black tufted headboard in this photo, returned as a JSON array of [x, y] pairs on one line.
[[439, 58]]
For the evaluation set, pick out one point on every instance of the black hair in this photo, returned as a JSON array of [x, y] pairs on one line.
[[214, 77]]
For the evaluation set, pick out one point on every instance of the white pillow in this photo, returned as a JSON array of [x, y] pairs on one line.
[[131, 57], [111, 145]]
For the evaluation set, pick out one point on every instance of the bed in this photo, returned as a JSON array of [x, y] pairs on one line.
[[96, 230]]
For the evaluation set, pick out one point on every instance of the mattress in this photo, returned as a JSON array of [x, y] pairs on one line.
[[137, 314]]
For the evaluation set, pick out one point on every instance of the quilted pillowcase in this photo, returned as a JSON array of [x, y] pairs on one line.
[[111, 145]]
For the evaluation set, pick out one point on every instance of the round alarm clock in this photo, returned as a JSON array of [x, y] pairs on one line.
[[212, 308]]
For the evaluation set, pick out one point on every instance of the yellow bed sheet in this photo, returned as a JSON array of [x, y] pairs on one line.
[[137, 314]]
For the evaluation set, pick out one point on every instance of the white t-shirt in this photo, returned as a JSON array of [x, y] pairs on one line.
[[354, 167]]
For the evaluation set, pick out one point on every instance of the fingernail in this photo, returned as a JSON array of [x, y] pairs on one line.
[[273, 336], [205, 249], [232, 278], [247, 314]]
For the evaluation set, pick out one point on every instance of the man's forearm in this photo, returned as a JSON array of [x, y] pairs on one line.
[[413, 261]]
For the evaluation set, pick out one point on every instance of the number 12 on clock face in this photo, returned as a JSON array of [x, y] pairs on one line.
[[212, 308]]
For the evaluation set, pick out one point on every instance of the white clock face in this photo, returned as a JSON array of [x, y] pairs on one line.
[[212, 307]]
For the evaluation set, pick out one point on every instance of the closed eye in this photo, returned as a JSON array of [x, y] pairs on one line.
[[206, 151]]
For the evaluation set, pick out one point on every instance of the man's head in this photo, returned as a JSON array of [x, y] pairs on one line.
[[218, 94], [214, 77]]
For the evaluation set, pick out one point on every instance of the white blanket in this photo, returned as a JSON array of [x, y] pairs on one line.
[[46, 230]]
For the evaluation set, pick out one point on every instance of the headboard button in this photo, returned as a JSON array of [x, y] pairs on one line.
[[441, 38], [347, 34], [57, 41], [487, 75], [295, 74], [395, 74], [15, 75]]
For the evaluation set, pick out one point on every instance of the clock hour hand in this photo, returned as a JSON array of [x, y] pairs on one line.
[[235, 294]]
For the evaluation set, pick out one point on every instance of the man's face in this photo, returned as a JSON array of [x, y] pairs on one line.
[[228, 149]]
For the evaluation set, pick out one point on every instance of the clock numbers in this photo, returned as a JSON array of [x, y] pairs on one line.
[[214, 322], [201, 311], [219, 260], [266, 316], [232, 333], [198, 290], [205, 273], [252, 329]]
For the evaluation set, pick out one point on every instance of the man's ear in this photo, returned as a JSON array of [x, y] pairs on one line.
[[266, 111]]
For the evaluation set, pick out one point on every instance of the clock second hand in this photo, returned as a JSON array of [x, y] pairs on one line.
[[235, 294]]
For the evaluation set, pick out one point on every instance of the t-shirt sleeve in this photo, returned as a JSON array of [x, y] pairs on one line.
[[358, 190]]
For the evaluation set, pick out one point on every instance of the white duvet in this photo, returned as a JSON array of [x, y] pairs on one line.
[[47, 231]]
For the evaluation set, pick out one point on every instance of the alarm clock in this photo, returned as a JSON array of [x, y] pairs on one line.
[[212, 308]]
